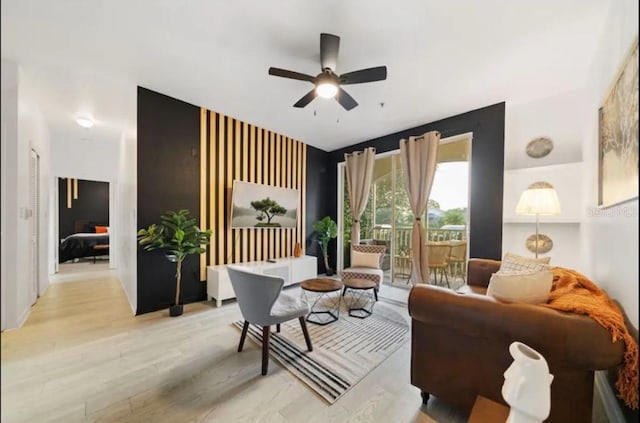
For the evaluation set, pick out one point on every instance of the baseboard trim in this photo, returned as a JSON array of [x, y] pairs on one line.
[[608, 397], [24, 317]]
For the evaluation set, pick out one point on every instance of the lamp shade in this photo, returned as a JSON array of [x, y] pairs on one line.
[[539, 198]]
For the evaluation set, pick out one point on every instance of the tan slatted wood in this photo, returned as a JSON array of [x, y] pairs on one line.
[[213, 187], [283, 183], [272, 163], [211, 206], [69, 192], [228, 186], [220, 188], [252, 178], [278, 154], [238, 238], [300, 198], [245, 163], [259, 160], [294, 172]]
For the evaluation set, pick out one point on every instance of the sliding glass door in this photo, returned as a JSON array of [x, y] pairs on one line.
[[388, 219]]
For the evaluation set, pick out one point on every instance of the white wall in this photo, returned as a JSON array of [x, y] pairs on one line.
[[604, 244], [92, 159], [9, 122], [610, 236], [33, 127], [89, 159], [560, 118], [126, 249], [25, 129]]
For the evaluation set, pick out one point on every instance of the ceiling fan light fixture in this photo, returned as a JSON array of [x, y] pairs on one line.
[[327, 89]]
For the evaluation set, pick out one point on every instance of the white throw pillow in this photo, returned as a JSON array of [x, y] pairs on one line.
[[513, 263], [359, 259], [531, 287]]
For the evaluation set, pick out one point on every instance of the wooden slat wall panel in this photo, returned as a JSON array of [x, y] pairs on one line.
[[220, 186], [234, 150]]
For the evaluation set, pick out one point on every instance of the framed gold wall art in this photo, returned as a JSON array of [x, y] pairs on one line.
[[618, 136]]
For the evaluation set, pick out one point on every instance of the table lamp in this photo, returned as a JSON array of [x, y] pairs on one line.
[[538, 199]]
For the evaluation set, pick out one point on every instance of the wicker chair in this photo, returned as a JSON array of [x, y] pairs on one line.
[[457, 259], [437, 253], [375, 275]]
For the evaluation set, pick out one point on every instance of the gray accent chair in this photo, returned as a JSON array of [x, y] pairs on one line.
[[263, 303]]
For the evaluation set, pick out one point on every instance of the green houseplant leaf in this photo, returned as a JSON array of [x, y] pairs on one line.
[[178, 235], [326, 229]]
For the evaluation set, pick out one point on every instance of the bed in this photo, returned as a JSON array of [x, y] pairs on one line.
[[83, 243]]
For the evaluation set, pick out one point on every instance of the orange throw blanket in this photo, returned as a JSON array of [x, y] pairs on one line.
[[574, 292]]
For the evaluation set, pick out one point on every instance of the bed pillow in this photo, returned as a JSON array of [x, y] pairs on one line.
[[371, 260], [523, 287], [102, 229], [513, 263]]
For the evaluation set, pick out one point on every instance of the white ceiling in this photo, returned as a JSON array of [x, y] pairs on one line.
[[444, 57]]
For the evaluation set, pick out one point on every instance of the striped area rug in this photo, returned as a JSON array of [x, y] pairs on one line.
[[343, 353]]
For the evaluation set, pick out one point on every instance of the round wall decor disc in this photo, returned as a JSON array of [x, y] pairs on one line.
[[545, 244], [539, 147]]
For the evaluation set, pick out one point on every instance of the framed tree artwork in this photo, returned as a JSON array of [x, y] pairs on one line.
[[618, 136]]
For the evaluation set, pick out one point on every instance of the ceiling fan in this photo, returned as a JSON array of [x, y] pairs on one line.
[[327, 82]]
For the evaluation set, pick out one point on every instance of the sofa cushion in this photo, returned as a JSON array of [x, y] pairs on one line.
[[524, 287], [513, 263]]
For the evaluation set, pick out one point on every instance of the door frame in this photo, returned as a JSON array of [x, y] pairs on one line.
[[54, 265]]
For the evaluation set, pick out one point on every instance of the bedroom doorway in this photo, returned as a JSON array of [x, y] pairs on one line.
[[83, 228]]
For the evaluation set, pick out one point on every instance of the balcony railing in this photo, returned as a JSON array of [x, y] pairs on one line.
[[402, 236]]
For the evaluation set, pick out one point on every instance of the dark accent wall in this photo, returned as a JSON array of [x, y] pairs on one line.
[[487, 171], [91, 205], [168, 179], [172, 135], [318, 202]]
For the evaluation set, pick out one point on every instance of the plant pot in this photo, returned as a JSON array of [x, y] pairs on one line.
[[329, 272], [175, 310]]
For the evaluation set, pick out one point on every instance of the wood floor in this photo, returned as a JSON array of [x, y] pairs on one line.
[[82, 357]]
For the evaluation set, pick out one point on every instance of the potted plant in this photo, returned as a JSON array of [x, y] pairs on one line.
[[179, 236], [326, 229]]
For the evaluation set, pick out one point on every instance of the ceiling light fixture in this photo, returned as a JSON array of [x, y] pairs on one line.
[[327, 84], [327, 90], [85, 122]]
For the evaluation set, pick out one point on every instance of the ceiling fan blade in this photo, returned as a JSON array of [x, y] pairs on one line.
[[291, 74], [306, 99], [364, 75], [329, 46], [345, 99]]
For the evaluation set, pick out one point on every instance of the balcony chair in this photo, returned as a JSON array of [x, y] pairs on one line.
[[263, 303], [437, 254], [457, 259]]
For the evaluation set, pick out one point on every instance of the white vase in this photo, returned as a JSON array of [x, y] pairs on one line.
[[527, 385]]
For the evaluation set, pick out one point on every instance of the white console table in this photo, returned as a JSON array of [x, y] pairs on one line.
[[291, 269]]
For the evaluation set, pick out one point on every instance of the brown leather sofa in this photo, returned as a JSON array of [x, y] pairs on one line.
[[460, 346]]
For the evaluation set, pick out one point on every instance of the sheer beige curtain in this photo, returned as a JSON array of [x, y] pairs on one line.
[[359, 166], [418, 155]]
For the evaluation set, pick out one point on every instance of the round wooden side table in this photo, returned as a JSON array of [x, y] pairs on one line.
[[325, 308], [361, 301]]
